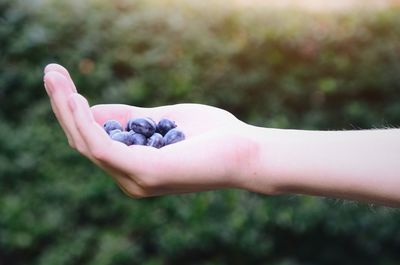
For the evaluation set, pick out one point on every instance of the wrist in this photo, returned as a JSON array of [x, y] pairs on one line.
[[256, 170]]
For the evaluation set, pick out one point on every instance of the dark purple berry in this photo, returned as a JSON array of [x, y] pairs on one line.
[[114, 132], [123, 137], [111, 125], [145, 126], [156, 140], [137, 138], [173, 136], [165, 125]]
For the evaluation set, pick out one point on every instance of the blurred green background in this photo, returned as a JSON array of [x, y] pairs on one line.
[[285, 69]]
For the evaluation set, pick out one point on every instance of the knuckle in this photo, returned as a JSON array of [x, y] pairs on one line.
[[98, 153], [71, 143], [137, 192], [136, 195], [148, 182], [94, 108], [79, 127], [80, 148]]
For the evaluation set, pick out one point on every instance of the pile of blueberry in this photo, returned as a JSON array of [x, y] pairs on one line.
[[144, 131]]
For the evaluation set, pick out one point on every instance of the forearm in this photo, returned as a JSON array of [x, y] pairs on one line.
[[361, 165]]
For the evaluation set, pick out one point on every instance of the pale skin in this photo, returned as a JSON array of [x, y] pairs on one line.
[[223, 152]]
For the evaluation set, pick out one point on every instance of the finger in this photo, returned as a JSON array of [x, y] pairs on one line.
[[99, 144], [60, 69], [56, 113], [123, 180], [59, 90], [129, 163], [119, 112]]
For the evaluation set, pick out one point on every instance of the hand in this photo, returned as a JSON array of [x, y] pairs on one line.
[[215, 154]]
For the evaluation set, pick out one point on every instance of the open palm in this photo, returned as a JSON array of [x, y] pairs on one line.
[[207, 159]]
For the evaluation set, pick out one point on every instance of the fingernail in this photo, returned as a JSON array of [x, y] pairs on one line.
[[47, 68], [72, 103]]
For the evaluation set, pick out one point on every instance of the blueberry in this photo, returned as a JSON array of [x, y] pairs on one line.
[[123, 137], [164, 125], [137, 138], [156, 140], [145, 126], [111, 125], [114, 132], [173, 136]]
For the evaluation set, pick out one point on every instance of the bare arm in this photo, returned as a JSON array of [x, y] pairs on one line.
[[222, 152], [361, 165]]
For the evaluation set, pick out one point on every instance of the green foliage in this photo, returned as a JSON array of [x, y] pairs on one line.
[[286, 69]]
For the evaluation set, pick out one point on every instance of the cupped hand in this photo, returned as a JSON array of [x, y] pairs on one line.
[[215, 154]]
